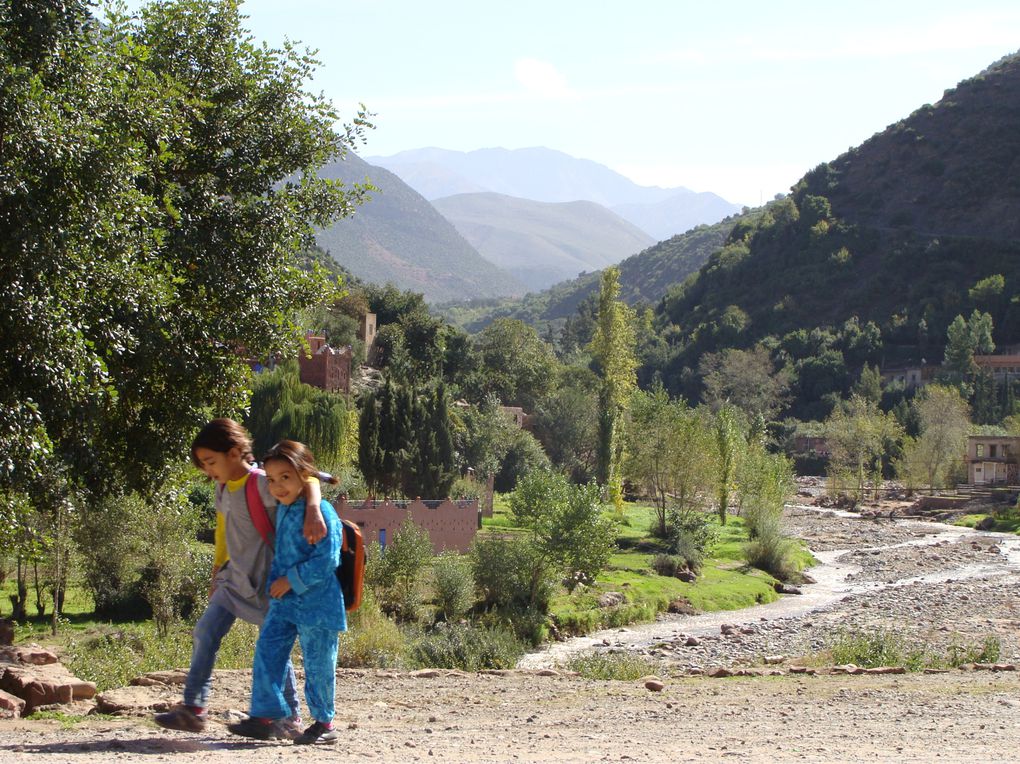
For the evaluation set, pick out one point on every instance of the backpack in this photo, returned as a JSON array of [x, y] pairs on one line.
[[350, 573]]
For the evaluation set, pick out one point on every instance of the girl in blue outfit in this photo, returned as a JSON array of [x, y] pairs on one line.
[[306, 603]]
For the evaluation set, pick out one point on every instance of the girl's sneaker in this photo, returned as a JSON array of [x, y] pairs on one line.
[[318, 734], [261, 729], [182, 717]]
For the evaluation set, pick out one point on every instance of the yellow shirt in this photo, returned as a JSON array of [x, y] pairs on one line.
[[220, 554]]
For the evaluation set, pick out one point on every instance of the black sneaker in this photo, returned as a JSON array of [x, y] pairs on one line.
[[182, 717], [260, 729], [318, 734]]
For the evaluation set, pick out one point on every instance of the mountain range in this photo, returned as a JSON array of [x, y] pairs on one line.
[[917, 225], [542, 243], [398, 237], [546, 175]]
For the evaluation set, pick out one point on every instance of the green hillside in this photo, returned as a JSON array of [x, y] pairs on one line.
[[542, 243], [644, 278], [399, 237], [899, 232]]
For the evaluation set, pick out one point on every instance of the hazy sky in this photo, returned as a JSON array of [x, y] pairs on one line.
[[739, 98]]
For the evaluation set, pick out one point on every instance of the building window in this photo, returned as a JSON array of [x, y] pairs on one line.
[[991, 451], [979, 450]]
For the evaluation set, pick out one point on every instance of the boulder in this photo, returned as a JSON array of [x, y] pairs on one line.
[[44, 685], [655, 685], [132, 701], [11, 706], [611, 599]]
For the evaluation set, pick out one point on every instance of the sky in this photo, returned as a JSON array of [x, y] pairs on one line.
[[739, 98]]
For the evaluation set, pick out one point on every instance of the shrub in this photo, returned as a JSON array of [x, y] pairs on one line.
[[454, 586], [396, 572], [611, 666], [774, 554], [372, 640], [511, 574], [466, 647], [690, 535], [668, 564]]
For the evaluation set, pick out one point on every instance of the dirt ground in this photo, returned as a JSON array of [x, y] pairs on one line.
[[954, 717], [928, 582]]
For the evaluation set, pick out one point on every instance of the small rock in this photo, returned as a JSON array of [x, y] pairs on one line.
[[692, 641], [654, 685]]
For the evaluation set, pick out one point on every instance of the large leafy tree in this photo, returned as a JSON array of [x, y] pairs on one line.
[[157, 182]]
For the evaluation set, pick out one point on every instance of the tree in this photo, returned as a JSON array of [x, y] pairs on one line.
[[667, 453], [869, 384], [284, 407], [964, 339], [566, 523], [728, 446], [859, 436], [515, 364], [748, 379], [166, 183], [612, 347], [565, 424], [370, 455], [945, 422]]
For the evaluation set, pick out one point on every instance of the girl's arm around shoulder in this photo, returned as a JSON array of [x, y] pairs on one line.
[[315, 525], [324, 556]]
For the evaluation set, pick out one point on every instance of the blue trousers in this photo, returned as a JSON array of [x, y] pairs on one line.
[[318, 646], [207, 635]]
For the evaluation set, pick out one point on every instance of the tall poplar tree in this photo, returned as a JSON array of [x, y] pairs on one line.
[[613, 347]]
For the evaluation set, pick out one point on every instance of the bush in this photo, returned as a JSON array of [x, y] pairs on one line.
[[465, 647], [511, 574], [396, 572], [690, 535], [668, 564], [454, 586], [775, 555], [372, 639], [611, 666]]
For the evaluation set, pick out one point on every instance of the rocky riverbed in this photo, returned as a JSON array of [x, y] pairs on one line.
[[933, 586]]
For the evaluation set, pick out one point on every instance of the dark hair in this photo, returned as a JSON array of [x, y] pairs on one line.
[[221, 435], [298, 456]]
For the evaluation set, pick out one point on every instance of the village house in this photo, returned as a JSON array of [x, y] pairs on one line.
[[1002, 367], [326, 367], [992, 459], [911, 377]]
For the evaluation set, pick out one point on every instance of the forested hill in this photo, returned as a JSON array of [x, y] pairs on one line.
[[399, 237], [644, 278], [915, 226]]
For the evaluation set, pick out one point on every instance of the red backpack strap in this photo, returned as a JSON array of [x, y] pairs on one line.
[[257, 509]]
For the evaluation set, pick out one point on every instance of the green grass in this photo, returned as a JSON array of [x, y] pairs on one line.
[[70, 721], [624, 667], [875, 648], [725, 581], [1004, 523]]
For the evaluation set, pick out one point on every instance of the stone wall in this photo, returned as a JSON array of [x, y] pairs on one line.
[[451, 525]]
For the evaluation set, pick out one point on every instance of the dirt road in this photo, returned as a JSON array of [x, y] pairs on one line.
[[956, 717]]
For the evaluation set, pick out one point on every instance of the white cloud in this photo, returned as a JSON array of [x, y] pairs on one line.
[[542, 79]]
